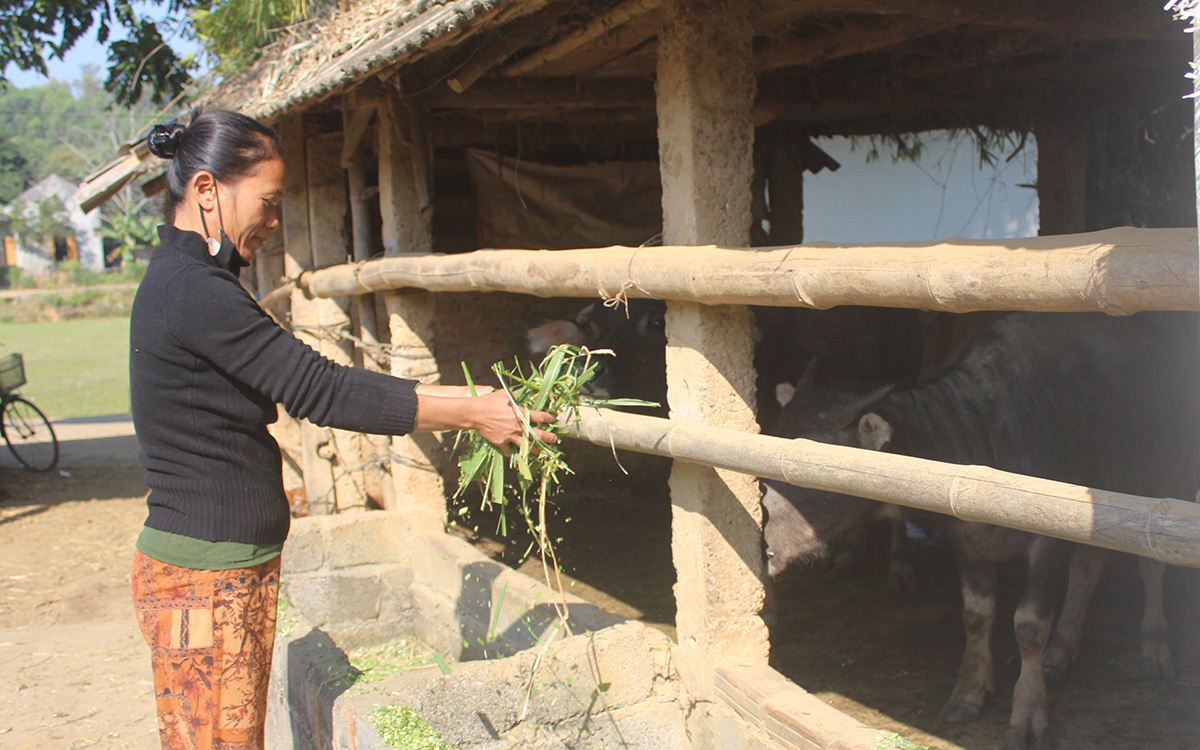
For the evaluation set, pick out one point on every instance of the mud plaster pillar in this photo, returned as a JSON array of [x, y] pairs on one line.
[[406, 208], [705, 91]]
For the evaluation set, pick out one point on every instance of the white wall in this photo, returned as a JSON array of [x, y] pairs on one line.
[[947, 194]]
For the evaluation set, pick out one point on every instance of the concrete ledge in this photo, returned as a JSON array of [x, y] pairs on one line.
[[791, 715], [494, 610], [364, 578], [608, 689]]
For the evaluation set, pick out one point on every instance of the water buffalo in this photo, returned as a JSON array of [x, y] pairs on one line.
[[1083, 398], [853, 343]]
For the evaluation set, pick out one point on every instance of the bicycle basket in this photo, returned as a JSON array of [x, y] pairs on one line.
[[12, 372]]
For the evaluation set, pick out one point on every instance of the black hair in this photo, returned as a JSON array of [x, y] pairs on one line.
[[223, 143]]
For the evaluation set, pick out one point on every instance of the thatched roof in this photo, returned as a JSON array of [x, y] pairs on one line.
[[367, 37], [830, 65]]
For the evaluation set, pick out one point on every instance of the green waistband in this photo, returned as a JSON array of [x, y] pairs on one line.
[[198, 554]]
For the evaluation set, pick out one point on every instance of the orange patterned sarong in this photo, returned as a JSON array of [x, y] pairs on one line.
[[211, 634]]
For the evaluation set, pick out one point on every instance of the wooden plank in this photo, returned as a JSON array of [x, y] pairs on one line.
[[1118, 271], [327, 198], [317, 470], [1167, 530]]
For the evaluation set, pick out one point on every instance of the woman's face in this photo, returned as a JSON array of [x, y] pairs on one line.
[[250, 206]]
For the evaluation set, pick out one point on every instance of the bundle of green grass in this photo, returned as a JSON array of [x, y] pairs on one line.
[[531, 474]]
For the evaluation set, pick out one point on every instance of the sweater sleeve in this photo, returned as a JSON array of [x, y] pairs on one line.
[[213, 317]]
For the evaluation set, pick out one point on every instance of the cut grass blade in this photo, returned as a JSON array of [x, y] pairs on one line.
[[557, 385]]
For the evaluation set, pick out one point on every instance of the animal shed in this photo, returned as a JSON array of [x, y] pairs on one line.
[[380, 106]]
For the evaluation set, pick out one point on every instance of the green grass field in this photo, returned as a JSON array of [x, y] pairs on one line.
[[75, 368]]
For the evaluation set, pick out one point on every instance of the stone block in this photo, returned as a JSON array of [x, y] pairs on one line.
[[449, 564], [396, 604], [332, 598], [304, 550], [367, 539]]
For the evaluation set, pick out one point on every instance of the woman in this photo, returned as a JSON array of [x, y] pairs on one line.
[[207, 368]]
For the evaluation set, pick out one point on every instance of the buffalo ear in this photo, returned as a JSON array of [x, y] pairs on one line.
[[784, 393], [551, 334], [874, 432]]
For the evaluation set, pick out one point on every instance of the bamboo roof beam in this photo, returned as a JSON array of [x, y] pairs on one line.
[[502, 45], [547, 94], [636, 34], [1035, 15], [1117, 271], [603, 24], [853, 39], [1162, 529]]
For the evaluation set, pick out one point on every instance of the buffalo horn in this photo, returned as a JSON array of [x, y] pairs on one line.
[[842, 415]]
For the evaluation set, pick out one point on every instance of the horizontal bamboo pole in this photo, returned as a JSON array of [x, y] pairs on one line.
[[1118, 271], [1162, 529]]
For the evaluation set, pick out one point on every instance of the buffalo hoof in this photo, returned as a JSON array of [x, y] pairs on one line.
[[1157, 663], [1015, 738], [1056, 665], [958, 712]]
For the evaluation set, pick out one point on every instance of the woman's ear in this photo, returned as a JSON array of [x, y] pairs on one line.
[[204, 187]]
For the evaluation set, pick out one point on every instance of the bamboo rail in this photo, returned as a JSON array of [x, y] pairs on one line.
[[1163, 529], [1117, 271]]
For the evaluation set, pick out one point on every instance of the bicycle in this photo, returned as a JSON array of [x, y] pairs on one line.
[[25, 428]]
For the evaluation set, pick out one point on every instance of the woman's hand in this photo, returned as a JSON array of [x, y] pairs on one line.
[[491, 414], [497, 422]]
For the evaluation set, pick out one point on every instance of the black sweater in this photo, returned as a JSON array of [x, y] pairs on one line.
[[206, 368]]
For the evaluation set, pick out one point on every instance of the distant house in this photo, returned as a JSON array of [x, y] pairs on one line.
[[75, 238]]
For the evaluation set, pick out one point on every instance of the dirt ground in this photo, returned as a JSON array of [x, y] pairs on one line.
[[74, 670]]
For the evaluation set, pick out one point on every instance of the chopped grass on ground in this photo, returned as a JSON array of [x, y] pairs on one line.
[[75, 368], [401, 728], [286, 618], [374, 663], [894, 741]]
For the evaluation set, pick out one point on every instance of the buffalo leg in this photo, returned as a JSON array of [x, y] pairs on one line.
[[1156, 648], [1087, 563], [975, 675], [1029, 726], [901, 576]]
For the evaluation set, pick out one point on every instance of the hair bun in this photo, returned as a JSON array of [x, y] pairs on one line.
[[163, 140]]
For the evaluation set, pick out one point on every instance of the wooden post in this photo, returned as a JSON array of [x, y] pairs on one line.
[[406, 208], [317, 468], [705, 93], [357, 113], [327, 209], [1061, 173]]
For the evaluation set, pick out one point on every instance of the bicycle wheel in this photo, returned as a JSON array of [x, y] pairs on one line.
[[29, 435]]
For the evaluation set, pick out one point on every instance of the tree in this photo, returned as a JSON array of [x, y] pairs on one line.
[[62, 128], [144, 64], [130, 224], [15, 175], [34, 30]]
